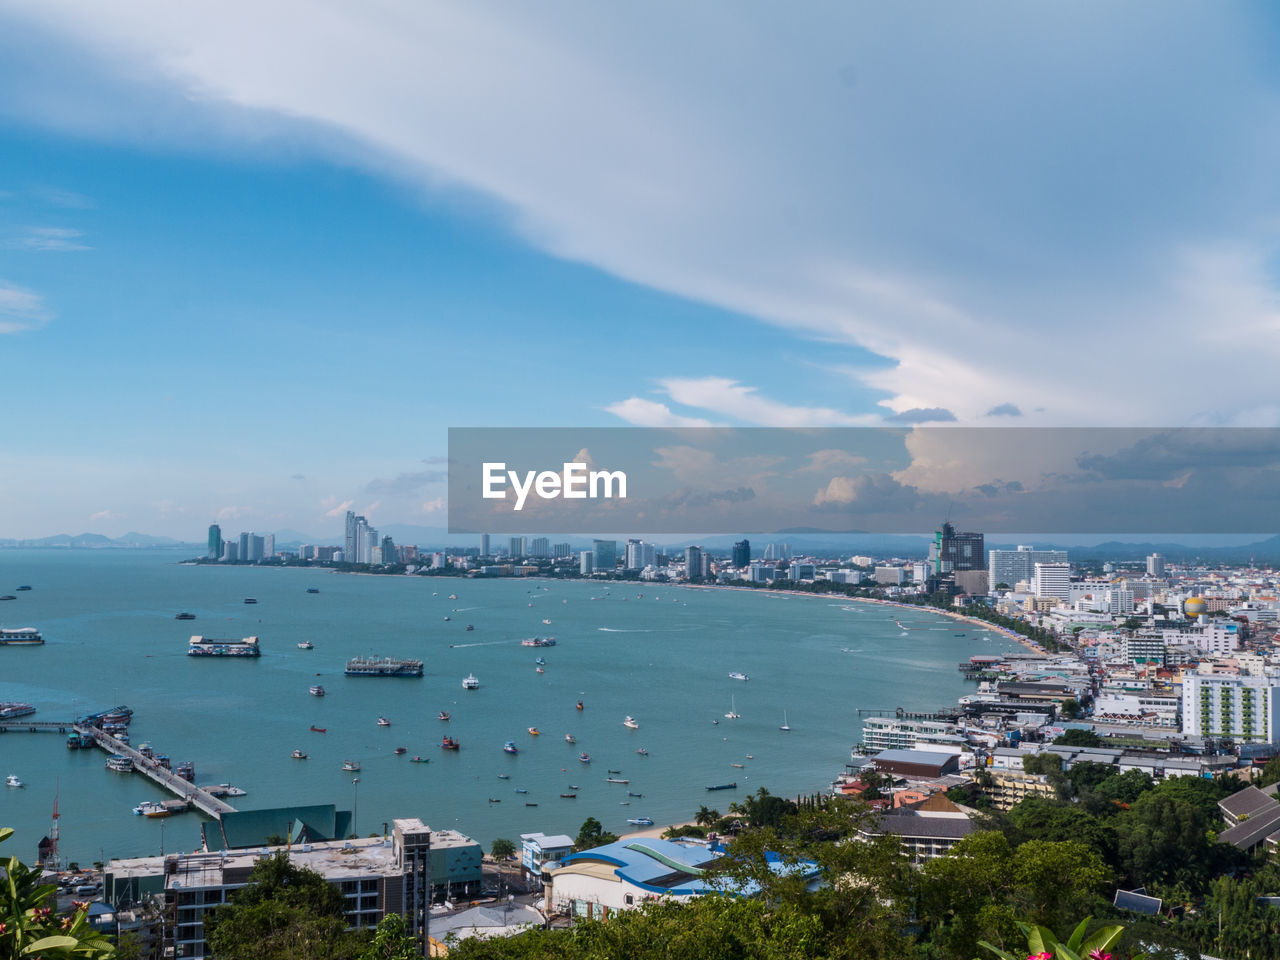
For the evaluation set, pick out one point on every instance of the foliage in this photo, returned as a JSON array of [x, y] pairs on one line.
[[29, 926], [1043, 943], [763, 809], [592, 834], [502, 848], [1270, 773], [391, 941], [1078, 738]]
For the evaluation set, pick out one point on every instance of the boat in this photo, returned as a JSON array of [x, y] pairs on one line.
[[212, 647], [453, 596], [315, 729], [313, 589], [250, 600], [316, 690], [419, 759], [184, 616], [351, 766], [636, 795], [11, 709], [570, 738], [631, 723], [530, 803], [568, 796], [584, 758], [443, 715], [733, 711], [12, 781], [186, 770], [641, 821], [522, 790], [448, 743], [400, 751], [23, 588], [738, 676], [750, 756], [384, 722], [540, 670], [306, 645], [504, 776], [298, 755], [510, 747], [579, 704], [541, 661], [447, 619], [494, 800], [725, 786], [613, 771], [8, 596], [469, 682], [573, 786], [383, 667], [538, 642], [643, 752], [146, 806], [470, 627], [738, 765], [534, 732], [20, 636], [616, 780], [547, 622], [120, 764], [785, 724]]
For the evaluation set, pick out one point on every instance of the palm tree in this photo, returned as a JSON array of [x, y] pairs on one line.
[[706, 817]]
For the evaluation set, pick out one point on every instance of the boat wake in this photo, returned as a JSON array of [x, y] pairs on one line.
[[621, 630], [482, 643]]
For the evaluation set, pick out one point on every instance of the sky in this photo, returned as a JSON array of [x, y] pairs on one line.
[[255, 260]]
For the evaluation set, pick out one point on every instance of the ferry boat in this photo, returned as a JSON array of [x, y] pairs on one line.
[[316, 690], [469, 682], [383, 667], [351, 766], [12, 781], [738, 676], [641, 821], [443, 715], [9, 709], [298, 755], [510, 747], [120, 764], [384, 722], [20, 636], [538, 642], [584, 758], [184, 616], [306, 645], [145, 806], [448, 743], [212, 647]]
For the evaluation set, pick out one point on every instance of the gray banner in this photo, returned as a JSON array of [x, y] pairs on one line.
[[863, 480]]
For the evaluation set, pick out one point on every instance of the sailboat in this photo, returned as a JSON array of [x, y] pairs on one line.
[[733, 711], [785, 725]]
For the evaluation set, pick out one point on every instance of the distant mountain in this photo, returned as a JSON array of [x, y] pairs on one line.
[[96, 541]]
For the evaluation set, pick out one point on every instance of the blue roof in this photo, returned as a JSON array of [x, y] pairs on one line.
[[915, 756]]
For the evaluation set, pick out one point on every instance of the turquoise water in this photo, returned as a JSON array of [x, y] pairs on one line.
[[664, 658]]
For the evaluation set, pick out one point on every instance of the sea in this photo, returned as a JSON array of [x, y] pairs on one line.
[[659, 653]]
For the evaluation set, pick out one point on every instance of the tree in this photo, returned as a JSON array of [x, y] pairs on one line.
[[1071, 709], [502, 848], [285, 913], [1270, 773], [29, 927], [592, 834], [1078, 738], [706, 817], [391, 941]]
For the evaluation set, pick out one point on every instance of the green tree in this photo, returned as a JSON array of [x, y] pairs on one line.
[[391, 941], [1271, 772], [1087, 775], [592, 834], [705, 817], [1078, 738], [502, 848], [285, 913]]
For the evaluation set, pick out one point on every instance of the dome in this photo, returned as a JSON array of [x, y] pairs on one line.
[[1194, 607]]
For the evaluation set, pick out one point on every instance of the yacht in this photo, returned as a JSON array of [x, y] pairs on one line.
[[469, 682], [384, 722], [443, 715], [306, 645], [733, 713], [12, 781], [738, 676], [631, 723], [298, 755], [316, 690], [510, 747], [148, 808], [641, 821], [570, 738], [785, 724], [351, 766]]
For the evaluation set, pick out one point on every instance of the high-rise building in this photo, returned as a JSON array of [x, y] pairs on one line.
[[561, 550], [256, 546], [952, 551], [215, 542], [1052, 580], [484, 545], [1155, 565], [631, 559], [1011, 566], [605, 556], [586, 563], [742, 553], [230, 550], [243, 552], [366, 541], [389, 554], [269, 545], [515, 547], [1240, 707], [693, 562], [540, 547], [349, 543]]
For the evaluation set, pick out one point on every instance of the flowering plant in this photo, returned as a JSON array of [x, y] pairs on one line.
[[1043, 944]]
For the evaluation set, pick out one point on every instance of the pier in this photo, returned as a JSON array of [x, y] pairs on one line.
[[201, 799], [946, 714]]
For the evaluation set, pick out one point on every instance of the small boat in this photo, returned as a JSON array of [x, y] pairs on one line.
[[351, 766], [533, 732], [584, 758], [568, 796], [448, 743], [616, 780], [146, 806], [494, 800], [547, 622], [530, 803], [738, 676], [631, 723], [443, 715], [306, 645], [504, 776], [469, 682], [540, 670], [540, 661], [733, 711], [298, 755], [522, 790], [470, 627], [785, 724], [23, 587], [400, 751], [453, 596], [725, 786], [613, 771], [8, 596], [12, 781], [641, 821], [716, 722], [570, 738], [184, 616], [419, 759], [624, 803], [384, 722], [643, 752], [316, 691], [579, 704], [250, 600], [510, 747], [636, 795], [447, 619], [313, 589], [315, 729], [751, 756], [738, 765]]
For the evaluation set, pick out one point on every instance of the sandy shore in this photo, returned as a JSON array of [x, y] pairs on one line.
[[657, 830]]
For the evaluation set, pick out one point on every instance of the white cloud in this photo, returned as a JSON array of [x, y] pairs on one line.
[[650, 413], [20, 309], [107, 515], [333, 508], [733, 399], [434, 506], [51, 239]]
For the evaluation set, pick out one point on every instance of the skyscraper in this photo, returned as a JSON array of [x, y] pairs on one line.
[[1052, 580], [540, 547], [389, 551], [215, 542], [269, 545], [243, 552], [1155, 565], [1010, 566], [693, 562], [349, 543], [605, 556], [586, 563], [484, 545], [742, 553], [515, 546], [952, 551]]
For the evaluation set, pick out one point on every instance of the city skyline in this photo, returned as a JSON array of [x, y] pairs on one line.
[[226, 262]]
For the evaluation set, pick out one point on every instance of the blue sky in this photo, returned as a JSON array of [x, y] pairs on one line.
[[255, 260]]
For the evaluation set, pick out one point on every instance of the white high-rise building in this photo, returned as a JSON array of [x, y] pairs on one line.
[[586, 563], [484, 545], [1243, 708], [540, 547], [1052, 580], [1155, 565], [1010, 566]]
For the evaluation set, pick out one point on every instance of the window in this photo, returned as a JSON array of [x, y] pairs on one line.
[[628, 899]]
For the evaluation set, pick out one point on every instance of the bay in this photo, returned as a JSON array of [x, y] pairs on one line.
[[660, 653]]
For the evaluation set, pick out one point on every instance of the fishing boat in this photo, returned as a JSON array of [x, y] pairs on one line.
[[313, 589], [584, 758], [494, 800], [400, 751], [298, 755], [443, 715], [530, 803], [643, 752], [250, 600], [146, 806], [384, 722], [547, 622], [315, 729], [570, 738], [184, 616], [419, 759], [540, 661], [12, 781], [510, 747], [306, 645], [738, 676], [785, 724], [522, 790], [316, 690], [579, 704], [733, 711], [631, 723], [448, 743], [504, 776], [23, 587], [725, 786], [533, 732], [351, 766], [738, 765], [636, 795], [616, 780], [613, 771], [540, 670], [470, 627], [469, 682], [568, 796], [641, 821]]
